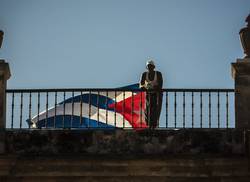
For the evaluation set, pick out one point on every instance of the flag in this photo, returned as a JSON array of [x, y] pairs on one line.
[[120, 109]]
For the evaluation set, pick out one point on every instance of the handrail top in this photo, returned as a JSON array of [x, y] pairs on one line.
[[118, 89]]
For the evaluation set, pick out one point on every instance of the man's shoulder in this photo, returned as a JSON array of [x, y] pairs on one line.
[[158, 72], [244, 29], [143, 75]]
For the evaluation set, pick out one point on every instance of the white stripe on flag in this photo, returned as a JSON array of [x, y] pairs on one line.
[[85, 113]]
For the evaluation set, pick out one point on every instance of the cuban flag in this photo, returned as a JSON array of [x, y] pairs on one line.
[[110, 110]]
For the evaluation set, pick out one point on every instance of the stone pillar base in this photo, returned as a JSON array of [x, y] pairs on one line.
[[4, 76]]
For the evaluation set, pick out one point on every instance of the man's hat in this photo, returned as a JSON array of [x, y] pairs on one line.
[[150, 62]]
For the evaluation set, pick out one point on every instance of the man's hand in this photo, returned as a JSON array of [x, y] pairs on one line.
[[143, 87]]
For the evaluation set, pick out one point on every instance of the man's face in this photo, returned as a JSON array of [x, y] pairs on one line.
[[151, 67]]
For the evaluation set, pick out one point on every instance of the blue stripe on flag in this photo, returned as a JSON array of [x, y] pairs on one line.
[[71, 122], [91, 98]]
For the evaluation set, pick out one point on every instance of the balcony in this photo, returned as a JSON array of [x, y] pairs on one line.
[[107, 108]]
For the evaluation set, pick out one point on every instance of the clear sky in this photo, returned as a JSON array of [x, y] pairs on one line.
[[105, 43]]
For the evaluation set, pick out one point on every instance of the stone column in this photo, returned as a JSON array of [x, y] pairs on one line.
[[4, 76], [241, 75]]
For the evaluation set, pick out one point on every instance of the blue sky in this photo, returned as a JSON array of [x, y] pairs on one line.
[[96, 43]]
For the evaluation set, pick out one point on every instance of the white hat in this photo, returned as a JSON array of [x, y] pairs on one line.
[[150, 62]]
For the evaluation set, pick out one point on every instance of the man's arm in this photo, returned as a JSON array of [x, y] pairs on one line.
[[142, 81], [160, 80]]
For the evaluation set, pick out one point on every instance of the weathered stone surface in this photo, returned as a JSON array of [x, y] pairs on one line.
[[126, 168], [241, 74], [4, 76], [124, 142], [126, 179]]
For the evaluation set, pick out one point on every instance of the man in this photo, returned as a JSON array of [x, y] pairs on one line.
[[152, 82]]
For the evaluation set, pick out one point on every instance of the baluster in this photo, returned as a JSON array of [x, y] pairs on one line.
[[184, 106], [55, 109], [175, 108], [21, 110], [38, 107], [166, 109], [12, 109], [201, 105], [132, 107], [47, 106], [72, 109], [30, 109], [107, 94], [123, 110], [192, 109], [98, 97], [227, 113], [89, 109], [218, 108], [64, 97], [115, 109], [209, 109], [157, 125], [81, 109]]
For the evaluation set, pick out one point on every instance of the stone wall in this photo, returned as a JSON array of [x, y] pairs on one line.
[[124, 142]]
